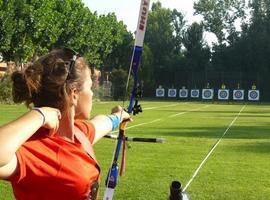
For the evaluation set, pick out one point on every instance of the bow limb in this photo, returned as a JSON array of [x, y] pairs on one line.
[[133, 107]]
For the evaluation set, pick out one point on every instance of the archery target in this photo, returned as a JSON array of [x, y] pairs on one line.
[[207, 93], [223, 94], [172, 93], [253, 95], [238, 94], [160, 92], [183, 93], [195, 93]]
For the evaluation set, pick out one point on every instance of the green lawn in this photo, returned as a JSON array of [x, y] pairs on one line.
[[238, 169]]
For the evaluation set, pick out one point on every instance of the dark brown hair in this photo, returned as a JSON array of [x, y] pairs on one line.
[[49, 80]]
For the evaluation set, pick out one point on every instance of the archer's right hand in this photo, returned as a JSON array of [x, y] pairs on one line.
[[52, 117]]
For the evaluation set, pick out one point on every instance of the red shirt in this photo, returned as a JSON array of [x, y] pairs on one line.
[[51, 168]]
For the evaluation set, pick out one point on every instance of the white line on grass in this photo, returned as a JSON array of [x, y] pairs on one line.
[[213, 148], [151, 108], [160, 119], [181, 113]]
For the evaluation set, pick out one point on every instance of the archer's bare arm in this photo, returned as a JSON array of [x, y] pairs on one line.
[[103, 124], [15, 133]]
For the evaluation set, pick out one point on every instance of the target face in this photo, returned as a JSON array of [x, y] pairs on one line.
[[223, 94], [160, 92], [207, 93], [253, 95], [183, 93], [172, 93], [238, 94], [195, 93]]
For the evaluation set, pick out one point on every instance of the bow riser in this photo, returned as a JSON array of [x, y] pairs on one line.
[[137, 52]]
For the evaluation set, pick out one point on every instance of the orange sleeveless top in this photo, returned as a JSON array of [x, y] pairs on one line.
[[51, 168]]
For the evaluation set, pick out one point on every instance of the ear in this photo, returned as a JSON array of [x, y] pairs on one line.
[[74, 96]]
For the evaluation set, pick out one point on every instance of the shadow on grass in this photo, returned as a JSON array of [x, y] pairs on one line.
[[256, 147]]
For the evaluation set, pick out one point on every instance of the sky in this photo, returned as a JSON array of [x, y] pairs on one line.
[[128, 11]]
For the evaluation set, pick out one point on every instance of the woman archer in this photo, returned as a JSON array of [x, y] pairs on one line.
[[47, 153]]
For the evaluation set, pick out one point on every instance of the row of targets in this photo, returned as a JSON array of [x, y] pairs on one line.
[[208, 94]]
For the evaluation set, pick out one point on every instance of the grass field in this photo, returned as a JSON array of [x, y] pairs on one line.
[[237, 169]]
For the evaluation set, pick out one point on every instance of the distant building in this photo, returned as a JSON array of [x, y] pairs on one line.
[[3, 69], [8, 67], [96, 78]]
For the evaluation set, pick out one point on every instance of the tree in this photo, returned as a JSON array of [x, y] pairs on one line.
[[120, 56], [197, 53], [113, 39], [31, 28], [119, 80], [163, 37], [179, 24], [159, 34], [146, 72], [6, 26], [27, 28], [219, 16]]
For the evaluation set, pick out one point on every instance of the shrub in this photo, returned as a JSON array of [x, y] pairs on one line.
[[6, 89]]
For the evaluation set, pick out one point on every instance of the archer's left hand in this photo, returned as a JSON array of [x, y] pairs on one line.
[[121, 113]]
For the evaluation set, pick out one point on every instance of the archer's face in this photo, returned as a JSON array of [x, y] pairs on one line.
[[84, 104]]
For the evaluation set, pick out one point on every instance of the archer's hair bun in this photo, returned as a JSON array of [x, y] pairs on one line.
[[20, 89], [48, 81], [61, 69]]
